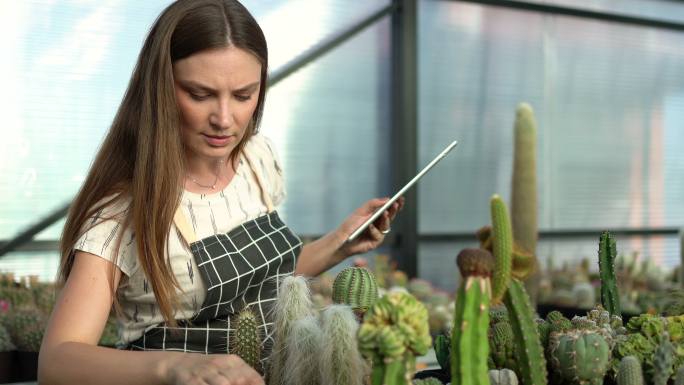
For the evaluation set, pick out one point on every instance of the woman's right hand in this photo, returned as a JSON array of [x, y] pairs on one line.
[[215, 369]]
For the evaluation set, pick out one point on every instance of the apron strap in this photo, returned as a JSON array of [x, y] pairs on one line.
[[184, 228]]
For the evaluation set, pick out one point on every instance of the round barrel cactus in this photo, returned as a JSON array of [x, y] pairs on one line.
[[356, 287]]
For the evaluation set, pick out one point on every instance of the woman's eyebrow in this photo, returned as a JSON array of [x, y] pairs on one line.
[[196, 85]]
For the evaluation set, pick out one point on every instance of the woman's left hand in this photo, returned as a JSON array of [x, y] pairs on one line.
[[375, 234]]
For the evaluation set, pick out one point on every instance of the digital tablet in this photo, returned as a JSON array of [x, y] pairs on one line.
[[401, 192]]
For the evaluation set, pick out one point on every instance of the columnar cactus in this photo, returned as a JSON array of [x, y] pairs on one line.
[[469, 341], [341, 362], [502, 346], [502, 247], [303, 352], [532, 364], [663, 360], [442, 346], [246, 341], [503, 377], [629, 372], [524, 190], [580, 356], [610, 299], [394, 331], [293, 303], [356, 287]]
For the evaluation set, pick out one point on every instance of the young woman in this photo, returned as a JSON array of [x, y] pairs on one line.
[[175, 224]]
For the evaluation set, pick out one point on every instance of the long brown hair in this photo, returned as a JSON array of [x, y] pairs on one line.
[[140, 159]]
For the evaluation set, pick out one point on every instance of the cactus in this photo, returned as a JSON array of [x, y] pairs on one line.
[[580, 356], [502, 246], [293, 303], [246, 339], [394, 331], [679, 376], [503, 377], [524, 189], [303, 343], [356, 287], [663, 360], [681, 258], [442, 346], [6, 344], [629, 372], [532, 364], [469, 342], [501, 346], [340, 360], [610, 299], [524, 262]]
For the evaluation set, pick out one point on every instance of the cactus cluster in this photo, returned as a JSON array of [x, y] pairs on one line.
[[393, 333]]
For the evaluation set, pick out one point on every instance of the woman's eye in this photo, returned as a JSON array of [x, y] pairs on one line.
[[243, 98], [198, 97]]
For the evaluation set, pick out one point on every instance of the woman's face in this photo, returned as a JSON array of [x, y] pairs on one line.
[[216, 92]]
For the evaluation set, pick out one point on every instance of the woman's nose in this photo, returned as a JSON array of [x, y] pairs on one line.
[[222, 117]]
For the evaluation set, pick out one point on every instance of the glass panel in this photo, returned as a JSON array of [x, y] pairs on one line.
[[68, 63], [652, 9]]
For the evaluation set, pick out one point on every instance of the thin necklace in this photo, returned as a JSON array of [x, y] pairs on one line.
[[213, 185]]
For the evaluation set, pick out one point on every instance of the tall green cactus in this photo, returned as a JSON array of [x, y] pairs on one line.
[[610, 299], [502, 248], [246, 341], [532, 363], [524, 191], [469, 340], [580, 356], [394, 331], [629, 372], [356, 287], [524, 180]]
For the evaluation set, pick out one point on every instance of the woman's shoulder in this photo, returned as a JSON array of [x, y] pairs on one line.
[[261, 147]]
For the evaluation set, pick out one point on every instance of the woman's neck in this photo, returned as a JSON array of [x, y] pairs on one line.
[[206, 175]]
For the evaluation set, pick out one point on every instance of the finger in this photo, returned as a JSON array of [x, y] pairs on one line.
[[374, 233]]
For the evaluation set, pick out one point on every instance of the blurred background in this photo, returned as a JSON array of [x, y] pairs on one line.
[[363, 95]]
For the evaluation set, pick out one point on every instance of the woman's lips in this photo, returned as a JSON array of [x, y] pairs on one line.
[[218, 141]]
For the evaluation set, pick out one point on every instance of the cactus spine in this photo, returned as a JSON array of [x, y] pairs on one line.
[[524, 192], [394, 330], [341, 362], [610, 298], [629, 372], [502, 248], [356, 287], [247, 339], [469, 340], [532, 364]]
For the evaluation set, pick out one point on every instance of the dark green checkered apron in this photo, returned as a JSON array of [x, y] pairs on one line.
[[240, 268]]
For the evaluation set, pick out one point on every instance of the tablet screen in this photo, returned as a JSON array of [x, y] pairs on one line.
[[401, 192]]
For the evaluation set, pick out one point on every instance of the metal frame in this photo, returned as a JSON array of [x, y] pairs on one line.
[[404, 111], [404, 132]]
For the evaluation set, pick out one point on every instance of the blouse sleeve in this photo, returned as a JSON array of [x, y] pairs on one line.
[[270, 168], [101, 237]]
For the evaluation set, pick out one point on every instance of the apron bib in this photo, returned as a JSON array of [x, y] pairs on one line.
[[240, 268]]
